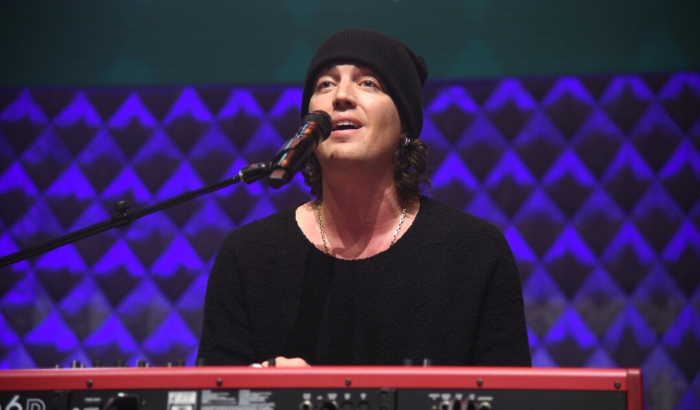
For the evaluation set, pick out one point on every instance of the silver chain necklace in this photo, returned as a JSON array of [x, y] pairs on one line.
[[323, 233]]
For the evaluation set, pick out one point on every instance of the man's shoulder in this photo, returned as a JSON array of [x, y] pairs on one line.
[[453, 220], [439, 210], [278, 224]]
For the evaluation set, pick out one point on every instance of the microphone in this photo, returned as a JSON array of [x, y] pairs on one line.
[[296, 151]]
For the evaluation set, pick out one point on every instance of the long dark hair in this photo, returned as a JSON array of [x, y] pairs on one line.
[[410, 167]]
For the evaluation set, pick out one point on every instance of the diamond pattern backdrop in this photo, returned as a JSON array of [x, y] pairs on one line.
[[594, 180]]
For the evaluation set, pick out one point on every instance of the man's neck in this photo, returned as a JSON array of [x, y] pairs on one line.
[[362, 206]]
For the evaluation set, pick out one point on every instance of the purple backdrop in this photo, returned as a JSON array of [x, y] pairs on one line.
[[594, 180]]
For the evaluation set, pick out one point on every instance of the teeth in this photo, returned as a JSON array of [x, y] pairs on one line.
[[345, 124]]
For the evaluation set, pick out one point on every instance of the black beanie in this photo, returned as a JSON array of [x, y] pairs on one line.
[[402, 71]]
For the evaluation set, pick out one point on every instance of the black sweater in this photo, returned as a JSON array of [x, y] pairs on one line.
[[448, 291]]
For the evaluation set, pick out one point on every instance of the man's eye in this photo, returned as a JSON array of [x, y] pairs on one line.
[[368, 83], [324, 84]]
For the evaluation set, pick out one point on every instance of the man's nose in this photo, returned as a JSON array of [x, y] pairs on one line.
[[344, 95]]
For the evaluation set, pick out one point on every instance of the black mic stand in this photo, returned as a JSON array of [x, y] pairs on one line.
[[249, 174]]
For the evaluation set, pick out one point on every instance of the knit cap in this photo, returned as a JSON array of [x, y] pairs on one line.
[[402, 71]]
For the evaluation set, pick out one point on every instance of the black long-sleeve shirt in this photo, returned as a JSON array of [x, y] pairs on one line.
[[448, 291]]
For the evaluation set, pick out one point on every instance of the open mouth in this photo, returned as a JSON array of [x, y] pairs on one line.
[[345, 125]]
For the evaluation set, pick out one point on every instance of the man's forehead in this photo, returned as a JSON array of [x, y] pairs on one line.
[[338, 66]]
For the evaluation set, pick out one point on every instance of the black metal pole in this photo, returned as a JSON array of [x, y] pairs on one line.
[[248, 175]]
